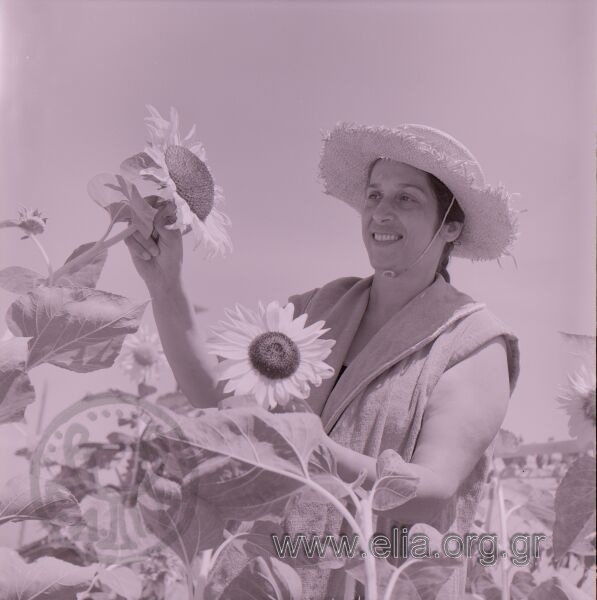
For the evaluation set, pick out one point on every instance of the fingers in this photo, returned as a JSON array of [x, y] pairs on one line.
[[141, 247], [166, 215]]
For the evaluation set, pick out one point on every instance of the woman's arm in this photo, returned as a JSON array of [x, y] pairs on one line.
[[190, 363], [462, 417], [160, 266]]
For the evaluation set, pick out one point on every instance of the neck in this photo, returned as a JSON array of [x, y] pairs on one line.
[[391, 294]]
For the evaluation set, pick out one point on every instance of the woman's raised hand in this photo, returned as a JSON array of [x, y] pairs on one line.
[[159, 263]]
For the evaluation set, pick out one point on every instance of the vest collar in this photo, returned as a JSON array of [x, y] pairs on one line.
[[418, 323]]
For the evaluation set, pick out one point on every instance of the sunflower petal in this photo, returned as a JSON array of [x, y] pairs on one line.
[[229, 369]]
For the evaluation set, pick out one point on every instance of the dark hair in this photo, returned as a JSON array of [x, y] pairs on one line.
[[444, 197]]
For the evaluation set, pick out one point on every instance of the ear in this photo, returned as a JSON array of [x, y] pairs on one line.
[[451, 231]]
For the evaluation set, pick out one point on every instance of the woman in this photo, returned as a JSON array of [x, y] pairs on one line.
[[424, 370]]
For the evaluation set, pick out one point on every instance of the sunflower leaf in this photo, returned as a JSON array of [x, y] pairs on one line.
[[185, 524], [419, 579], [575, 504], [396, 483], [246, 461], [19, 280], [267, 578], [142, 212], [122, 580], [16, 391], [175, 401], [133, 165], [422, 579], [47, 578], [79, 329], [21, 500], [87, 274], [556, 589], [114, 530], [258, 541], [106, 191]]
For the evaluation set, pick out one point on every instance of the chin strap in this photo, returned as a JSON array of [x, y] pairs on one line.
[[391, 273]]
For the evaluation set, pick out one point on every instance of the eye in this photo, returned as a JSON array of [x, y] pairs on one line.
[[406, 198], [373, 196]]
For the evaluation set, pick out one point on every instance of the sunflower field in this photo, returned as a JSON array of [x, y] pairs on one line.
[[143, 496]]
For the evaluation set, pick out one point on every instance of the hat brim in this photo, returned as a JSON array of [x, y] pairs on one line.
[[490, 226]]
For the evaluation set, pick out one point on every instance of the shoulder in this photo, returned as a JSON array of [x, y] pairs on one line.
[[481, 339], [328, 294]]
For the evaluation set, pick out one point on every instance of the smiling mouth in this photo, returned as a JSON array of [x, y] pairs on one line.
[[386, 237]]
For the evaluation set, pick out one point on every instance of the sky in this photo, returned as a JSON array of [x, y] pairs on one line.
[[514, 81]]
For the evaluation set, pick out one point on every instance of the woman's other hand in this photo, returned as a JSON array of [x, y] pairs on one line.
[[159, 263]]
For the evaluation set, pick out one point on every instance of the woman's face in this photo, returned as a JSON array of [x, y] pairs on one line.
[[400, 217]]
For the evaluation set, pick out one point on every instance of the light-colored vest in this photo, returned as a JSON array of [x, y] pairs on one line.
[[379, 401]]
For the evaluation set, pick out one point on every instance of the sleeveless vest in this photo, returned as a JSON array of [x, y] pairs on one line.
[[379, 401]]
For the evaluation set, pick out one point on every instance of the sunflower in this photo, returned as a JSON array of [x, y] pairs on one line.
[[141, 356], [578, 400], [268, 354], [30, 220], [176, 169]]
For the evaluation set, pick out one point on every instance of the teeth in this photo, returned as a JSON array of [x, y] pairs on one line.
[[386, 237]]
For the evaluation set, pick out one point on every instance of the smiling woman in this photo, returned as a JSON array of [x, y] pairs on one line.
[[400, 198], [424, 370]]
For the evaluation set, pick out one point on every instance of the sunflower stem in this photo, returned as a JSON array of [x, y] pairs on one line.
[[504, 534], [89, 255], [112, 223], [137, 449], [45, 256]]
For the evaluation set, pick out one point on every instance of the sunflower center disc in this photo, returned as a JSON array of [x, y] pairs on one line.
[[144, 356], [274, 355], [192, 178]]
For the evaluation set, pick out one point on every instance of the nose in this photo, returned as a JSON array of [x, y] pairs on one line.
[[383, 212]]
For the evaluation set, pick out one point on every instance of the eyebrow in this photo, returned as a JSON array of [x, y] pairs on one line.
[[409, 185]]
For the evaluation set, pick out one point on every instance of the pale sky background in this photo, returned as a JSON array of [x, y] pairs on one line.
[[514, 81]]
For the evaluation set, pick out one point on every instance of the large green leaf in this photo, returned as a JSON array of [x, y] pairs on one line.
[[184, 523], [422, 579], [535, 506], [136, 163], [396, 482], [142, 212], [323, 471], [80, 329], [557, 589], [20, 500], [482, 581], [522, 585], [177, 402], [123, 581], [257, 541], [246, 461], [121, 197], [19, 280], [575, 504], [115, 532], [266, 579], [87, 274], [45, 579], [16, 391], [105, 191], [79, 480], [416, 579]]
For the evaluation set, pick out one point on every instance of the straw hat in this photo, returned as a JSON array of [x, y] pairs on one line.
[[490, 224]]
